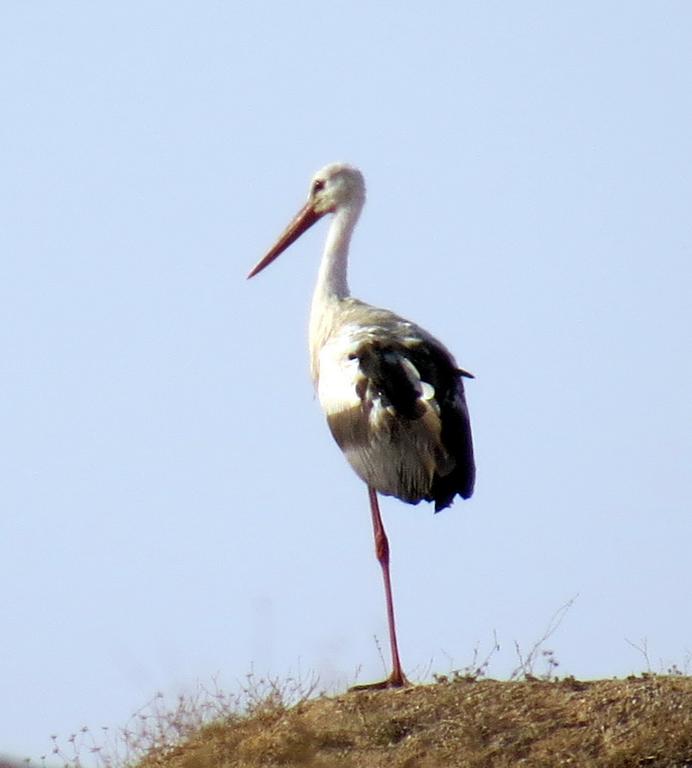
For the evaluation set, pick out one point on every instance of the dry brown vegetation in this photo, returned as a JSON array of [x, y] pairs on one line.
[[462, 721]]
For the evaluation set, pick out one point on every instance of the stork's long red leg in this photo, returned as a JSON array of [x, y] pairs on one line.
[[397, 679]]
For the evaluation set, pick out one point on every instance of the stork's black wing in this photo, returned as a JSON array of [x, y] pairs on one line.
[[438, 368], [397, 370]]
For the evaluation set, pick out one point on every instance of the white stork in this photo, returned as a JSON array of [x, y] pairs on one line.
[[392, 394]]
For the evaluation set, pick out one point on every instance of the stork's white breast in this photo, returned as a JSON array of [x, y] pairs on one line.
[[338, 376]]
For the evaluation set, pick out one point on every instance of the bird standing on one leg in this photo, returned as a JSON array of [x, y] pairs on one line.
[[393, 395]]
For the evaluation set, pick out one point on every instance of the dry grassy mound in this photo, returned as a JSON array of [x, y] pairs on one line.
[[643, 721]]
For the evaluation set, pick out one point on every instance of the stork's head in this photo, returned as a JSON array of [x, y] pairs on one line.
[[335, 187]]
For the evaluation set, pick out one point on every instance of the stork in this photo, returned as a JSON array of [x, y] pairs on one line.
[[393, 394]]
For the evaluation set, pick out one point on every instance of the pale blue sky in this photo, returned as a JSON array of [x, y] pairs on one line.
[[173, 506]]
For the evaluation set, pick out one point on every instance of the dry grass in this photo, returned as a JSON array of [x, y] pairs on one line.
[[466, 722]]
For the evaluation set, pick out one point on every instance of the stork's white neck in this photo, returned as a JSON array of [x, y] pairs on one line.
[[332, 278]]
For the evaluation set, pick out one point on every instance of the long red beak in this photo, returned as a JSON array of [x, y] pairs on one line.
[[303, 220]]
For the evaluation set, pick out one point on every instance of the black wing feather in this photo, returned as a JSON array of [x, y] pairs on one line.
[[385, 370]]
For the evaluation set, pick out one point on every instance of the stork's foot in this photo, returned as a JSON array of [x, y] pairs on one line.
[[395, 680]]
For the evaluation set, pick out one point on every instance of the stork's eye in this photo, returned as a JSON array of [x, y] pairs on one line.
[[317, 186]]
